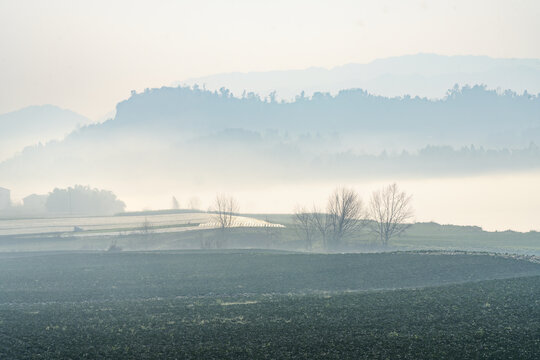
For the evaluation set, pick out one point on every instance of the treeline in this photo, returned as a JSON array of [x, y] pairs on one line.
[[386, 215], [76, 200], [306, 158], [440, 160], [482, 116]]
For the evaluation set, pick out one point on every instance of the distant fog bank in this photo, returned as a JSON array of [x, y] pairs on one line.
[[190, 142]]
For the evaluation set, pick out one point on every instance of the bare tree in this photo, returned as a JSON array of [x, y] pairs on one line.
[[390, 210], [174, 204], [321, 222], [304, 225], [146, 232], [225, 207], [345, 214], [146, 227]]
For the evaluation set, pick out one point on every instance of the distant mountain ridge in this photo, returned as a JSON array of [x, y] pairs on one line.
[[424, 75], [34, 124], [344, 122], [465, 116], [168, 140]]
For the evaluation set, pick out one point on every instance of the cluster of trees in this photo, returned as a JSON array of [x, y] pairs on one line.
[[83, 200], [76, 200], [464, 109], [387, 215]]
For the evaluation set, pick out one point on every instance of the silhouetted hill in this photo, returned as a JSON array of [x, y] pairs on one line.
[[34, 124], [178, 137], [468, 115], [424, 75]]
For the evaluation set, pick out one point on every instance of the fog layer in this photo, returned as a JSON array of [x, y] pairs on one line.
[[189, 142]]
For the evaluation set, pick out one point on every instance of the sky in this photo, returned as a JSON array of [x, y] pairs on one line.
[[87, 56]]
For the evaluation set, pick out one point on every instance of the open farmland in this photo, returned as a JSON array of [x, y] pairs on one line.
[[138, 231], [254, 304], [194, 230], [115, 225]]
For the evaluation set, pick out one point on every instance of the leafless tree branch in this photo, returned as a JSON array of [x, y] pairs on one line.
[[304, 225], [345, 213], [225, 207], [390, 211]]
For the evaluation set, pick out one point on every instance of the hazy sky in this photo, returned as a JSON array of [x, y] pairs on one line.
[[88, 55]]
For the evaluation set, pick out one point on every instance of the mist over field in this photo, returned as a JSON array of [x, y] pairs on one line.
[[192, 142], [36, 125]]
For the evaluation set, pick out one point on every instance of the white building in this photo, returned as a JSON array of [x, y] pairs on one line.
[[5, 198]]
